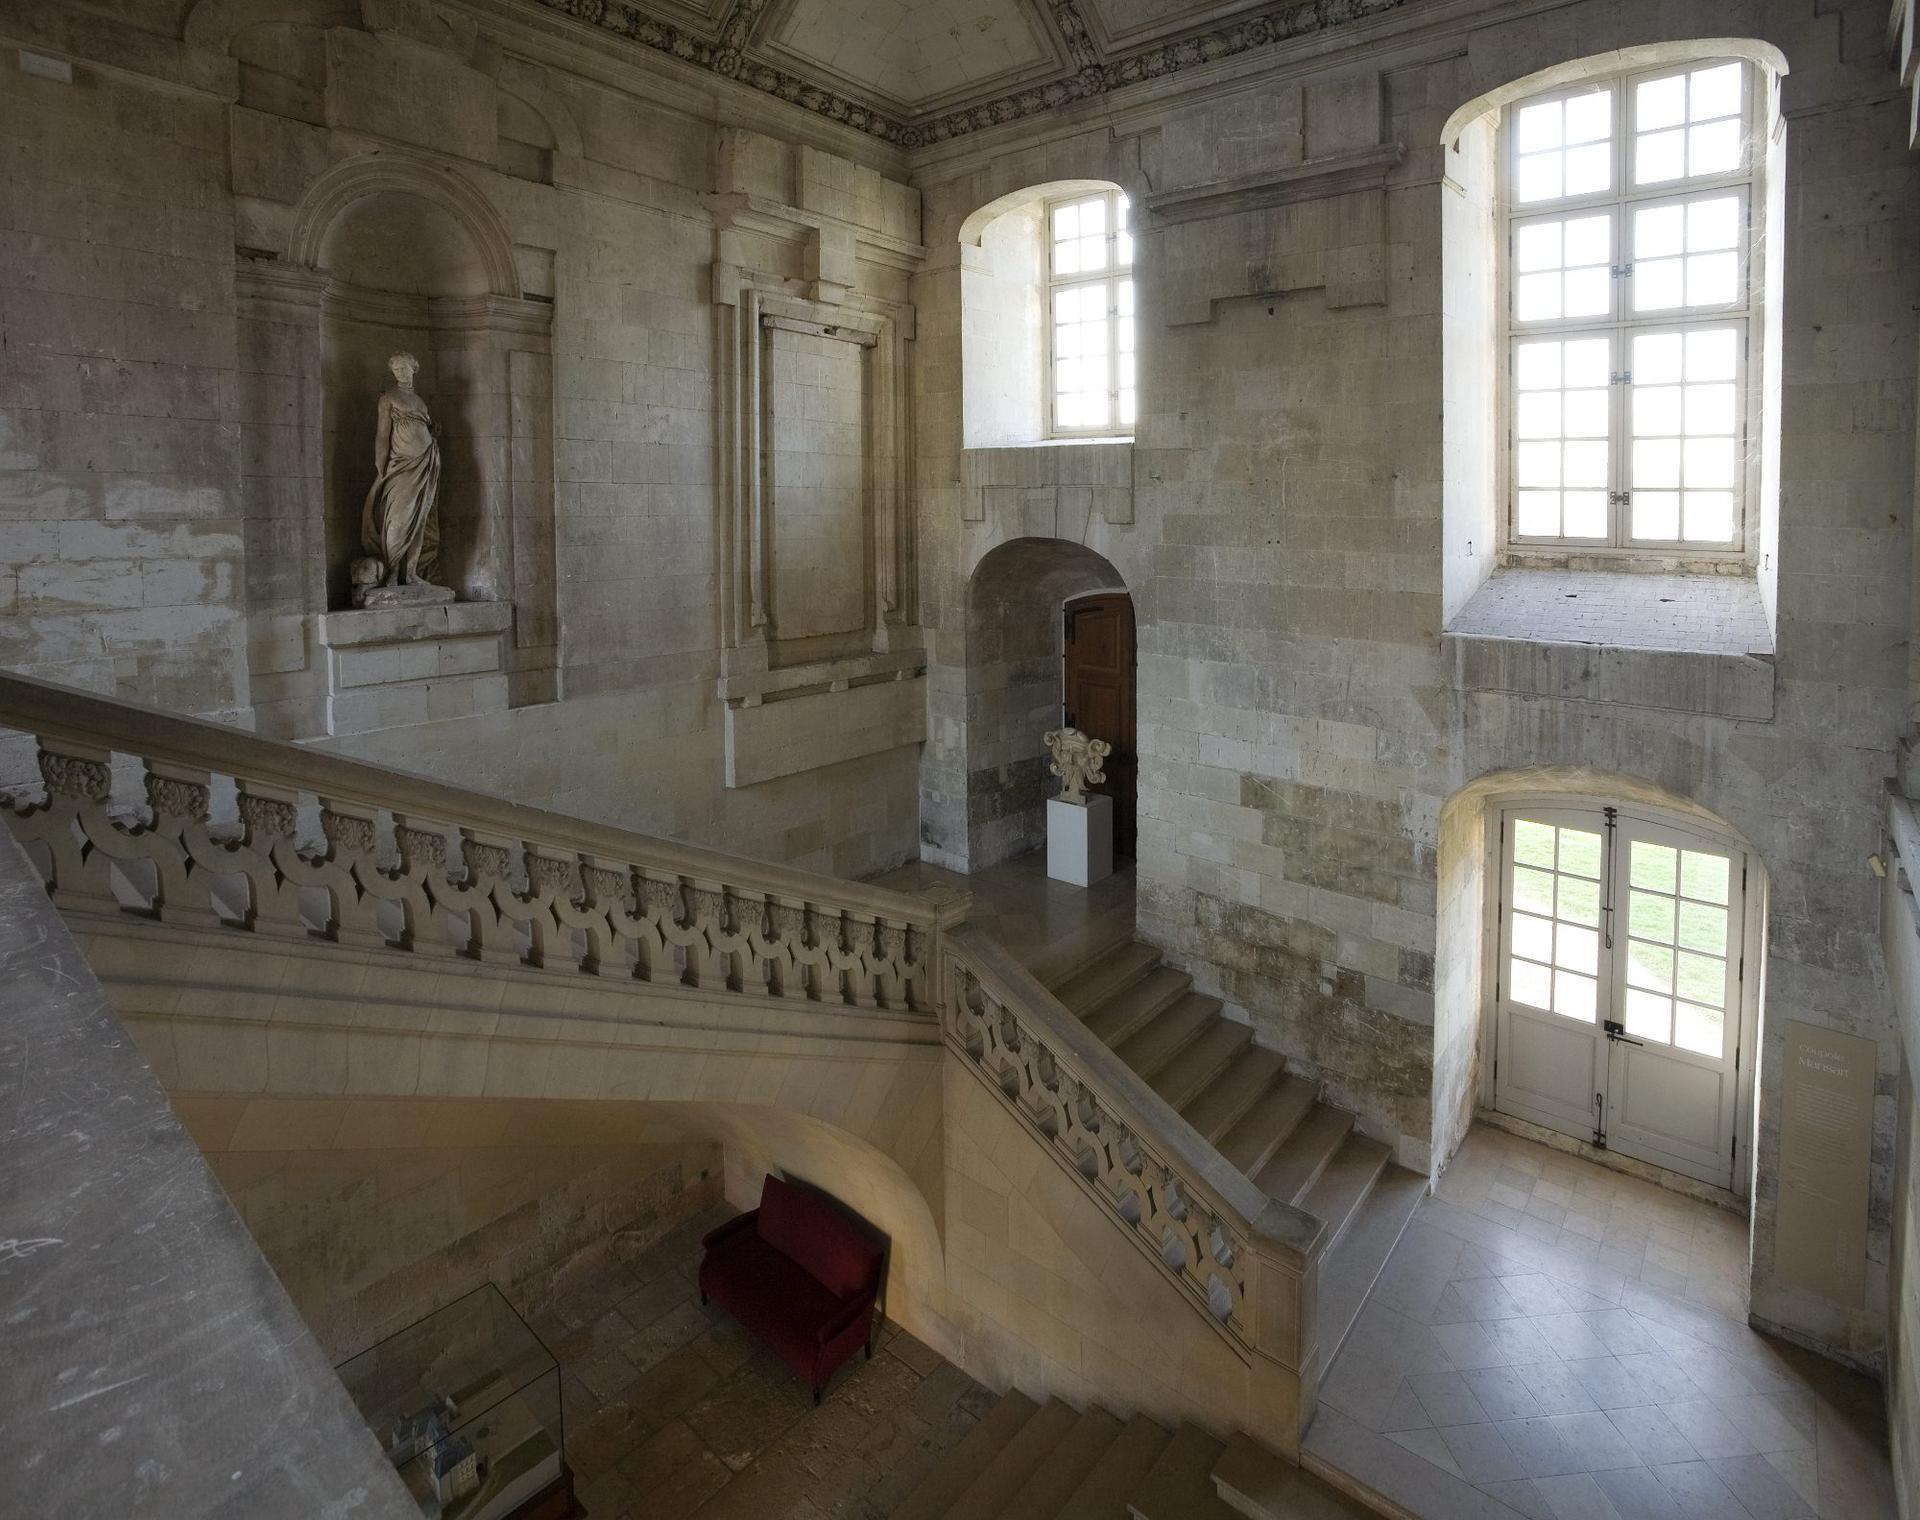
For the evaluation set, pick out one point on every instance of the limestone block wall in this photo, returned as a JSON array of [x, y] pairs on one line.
[[373, 1224], [1300, 726], [121, 536], [218, 225]]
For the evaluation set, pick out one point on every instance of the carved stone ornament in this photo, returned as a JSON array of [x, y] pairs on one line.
[[266, 816], [1076, 761], [400, 522], [171, 797], [347, 833], [76, 776]]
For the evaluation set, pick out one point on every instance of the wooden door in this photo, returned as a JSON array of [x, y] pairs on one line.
[[1097, 695]]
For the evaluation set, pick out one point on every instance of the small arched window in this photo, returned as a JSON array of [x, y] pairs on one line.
[[1632, 209], [1047, 316]]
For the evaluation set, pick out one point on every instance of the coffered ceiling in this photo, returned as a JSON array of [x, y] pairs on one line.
[[914, 72]]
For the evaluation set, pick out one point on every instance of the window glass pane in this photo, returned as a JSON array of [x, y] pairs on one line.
[[1704, 876], [1714, 92], [1540, 126], [1650, 915], [1649, 966], [1709, 517], [1656, 515], [1576, 949], [1530, 984], [1562, 147], [1532, 890], [1580, 853], [1533, 843], [1575, 997], [1651, 866], [1684, 438], [1583, 514], [1533, 937], [1702, 979], [1536, 514], [1660, 103], [1660, 156], [1713, 148], [1579, 900], [1563, 268], [1702, 1030], [1688, 125], [1648, 1016], [1703, 928]]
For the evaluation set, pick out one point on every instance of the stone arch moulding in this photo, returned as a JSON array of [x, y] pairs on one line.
[[371, 174], [1617, 61], [214, 24], [529, 84], [1467, 933], [977, 221]]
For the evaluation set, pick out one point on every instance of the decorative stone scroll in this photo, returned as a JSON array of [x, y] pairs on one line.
[[522, 902]]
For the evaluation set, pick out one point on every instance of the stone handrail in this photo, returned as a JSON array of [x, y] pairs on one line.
[[320, 845], [1244, 1260]]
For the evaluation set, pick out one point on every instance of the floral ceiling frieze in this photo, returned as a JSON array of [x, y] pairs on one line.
[[729, 55]]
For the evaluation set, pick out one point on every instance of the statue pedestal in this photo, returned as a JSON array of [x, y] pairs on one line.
[[391, 666], [414, 594], [1080, 840]]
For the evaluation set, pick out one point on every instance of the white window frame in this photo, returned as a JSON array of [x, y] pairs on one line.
[[1620, 325], [1109, 277]]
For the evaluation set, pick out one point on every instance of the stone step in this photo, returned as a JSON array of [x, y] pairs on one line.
[[1224, 1100], [1103, 1493], [1251, 1143], [1065, 1467], [1168, 1033], [1350, 1268], [1180, 1485], [1088, 989], [935, 1494], [1297, 1165], [1339, 1190], [1131, 1007], [1189, 1073], [996, 1485], [1253, 1482]]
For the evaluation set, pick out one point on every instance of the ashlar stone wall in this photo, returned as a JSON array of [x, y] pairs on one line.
[[217, 223], [1303, 715]]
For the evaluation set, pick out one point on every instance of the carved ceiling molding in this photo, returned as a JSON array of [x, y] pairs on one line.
[[728, 56]]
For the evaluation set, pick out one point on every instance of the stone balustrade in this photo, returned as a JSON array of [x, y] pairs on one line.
[[266, 837], [1244, 1260]]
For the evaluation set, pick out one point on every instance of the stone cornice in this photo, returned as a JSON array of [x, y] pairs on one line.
[[730, 56]]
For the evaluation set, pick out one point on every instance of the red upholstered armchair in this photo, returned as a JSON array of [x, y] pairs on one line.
[[799, 1275]]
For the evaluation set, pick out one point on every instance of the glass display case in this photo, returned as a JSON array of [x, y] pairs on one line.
[[466, 1404]]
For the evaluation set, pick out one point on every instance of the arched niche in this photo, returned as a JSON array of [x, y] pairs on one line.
[[387, 252], [1016, 645]]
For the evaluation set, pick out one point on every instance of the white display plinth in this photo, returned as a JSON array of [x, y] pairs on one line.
[[1080, 840]]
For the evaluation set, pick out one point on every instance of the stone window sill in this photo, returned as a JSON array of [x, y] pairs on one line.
[[1691, 643]]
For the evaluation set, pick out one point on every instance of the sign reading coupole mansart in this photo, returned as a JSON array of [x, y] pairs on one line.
[[400, 523]]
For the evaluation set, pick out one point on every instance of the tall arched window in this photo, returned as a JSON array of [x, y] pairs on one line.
[[1632, 207], [1090, 315]]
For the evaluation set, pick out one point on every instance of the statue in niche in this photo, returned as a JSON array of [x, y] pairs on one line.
[[400, 524], [1076, 761]]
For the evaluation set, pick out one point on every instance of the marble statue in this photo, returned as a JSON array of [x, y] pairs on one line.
[[1076, 761], [400, 524]]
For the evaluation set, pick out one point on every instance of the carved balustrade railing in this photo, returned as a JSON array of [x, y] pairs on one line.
[[1243, 1260], [206, 826]]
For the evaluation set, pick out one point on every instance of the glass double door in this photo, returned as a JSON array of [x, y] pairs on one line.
[[1617, 998]]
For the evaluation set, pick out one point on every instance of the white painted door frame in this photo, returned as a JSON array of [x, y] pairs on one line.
[[1750, 932]]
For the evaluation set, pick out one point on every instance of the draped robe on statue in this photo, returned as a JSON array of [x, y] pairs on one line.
[[399, 523]]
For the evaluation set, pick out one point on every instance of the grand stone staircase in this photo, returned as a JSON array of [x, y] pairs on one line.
[[1267, 1121], [1028, 1461]]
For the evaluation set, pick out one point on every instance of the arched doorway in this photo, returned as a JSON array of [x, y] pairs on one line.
[[1043, 615], [1598, 971]]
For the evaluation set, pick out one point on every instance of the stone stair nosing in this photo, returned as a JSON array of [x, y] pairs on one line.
[[1297, 1165], [1102, 1494], [1265, 1127], [1064, 1468], [1109, 974], [1348, 1178], [1353, 1264], [1134, 1006], [994, 1486], [1168, 1034], [1253, 1482], [936, 1492], [1225, 1100], [1194, 1069], [1179, 1486]]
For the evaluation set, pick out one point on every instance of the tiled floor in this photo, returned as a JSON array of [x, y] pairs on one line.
[[1555, 1340], [671, 1410], [1050, 925]]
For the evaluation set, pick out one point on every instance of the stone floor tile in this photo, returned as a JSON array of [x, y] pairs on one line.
[[1523, 1496], [1608, 1383], [1764, 1426], [1595, 1439], [1447, 1399], [1760, 1488], [1503, 1393], [1482, 1453], [1556, 1387], [1653, 1437], [1664, 1380], [1707, 1430], [1575, 1496], [1697, 1489], [673, 1470], [1570, 1337], [1636, 1494], [1540, 1448]]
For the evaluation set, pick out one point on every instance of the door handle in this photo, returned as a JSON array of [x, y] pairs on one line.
[[1618, 1031]]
